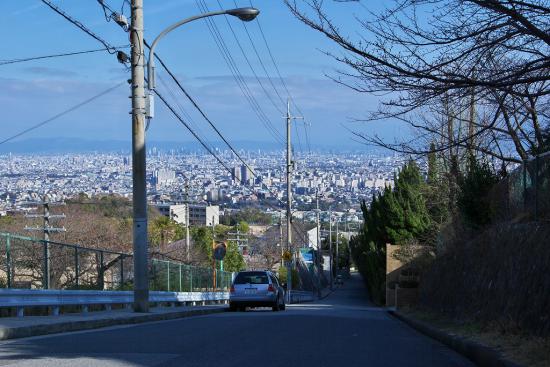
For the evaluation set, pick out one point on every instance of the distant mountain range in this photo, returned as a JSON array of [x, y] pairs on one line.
[[77, 145]]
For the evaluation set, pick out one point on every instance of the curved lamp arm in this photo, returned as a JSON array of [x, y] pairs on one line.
[[244, 14]]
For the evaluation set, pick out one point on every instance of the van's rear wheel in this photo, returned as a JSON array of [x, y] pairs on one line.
[[275, 307]]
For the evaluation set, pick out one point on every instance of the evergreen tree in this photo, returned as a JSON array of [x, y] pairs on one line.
[[233, 260], [474, 188]]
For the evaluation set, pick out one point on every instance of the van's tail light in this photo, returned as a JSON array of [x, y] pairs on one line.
[[271, 288], [232, 289]]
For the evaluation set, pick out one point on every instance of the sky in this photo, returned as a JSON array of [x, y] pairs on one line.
[[35, 91]]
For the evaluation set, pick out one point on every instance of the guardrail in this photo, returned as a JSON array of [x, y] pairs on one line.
[[21, 298], [301, 296]]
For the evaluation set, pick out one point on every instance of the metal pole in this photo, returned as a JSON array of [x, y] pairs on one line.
[[101, 275], [47, 275], [8, 259], [187, 242], [330, 246], [289, 198], [141, 286], [180, 277], [168, 276], [319, 252], [76, 269], [337, 243], [121, 271]]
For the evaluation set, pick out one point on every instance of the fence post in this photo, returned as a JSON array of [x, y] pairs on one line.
[[8, 259], [121, 271], [180, 277], [76, 269], [46, 281], [190, 279], [168, 276], [100, 276]]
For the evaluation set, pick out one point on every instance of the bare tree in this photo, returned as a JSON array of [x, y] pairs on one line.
[[483, 63]]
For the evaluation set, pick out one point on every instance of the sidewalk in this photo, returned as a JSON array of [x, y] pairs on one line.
[[23, 327]]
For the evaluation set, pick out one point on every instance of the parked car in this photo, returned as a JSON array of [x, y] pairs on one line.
[[339, 279], [256, 289]]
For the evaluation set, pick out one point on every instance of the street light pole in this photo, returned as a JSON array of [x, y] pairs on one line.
[[139, 198], [140, 108]]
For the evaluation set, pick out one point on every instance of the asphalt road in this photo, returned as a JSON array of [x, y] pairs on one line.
[[341, 330]]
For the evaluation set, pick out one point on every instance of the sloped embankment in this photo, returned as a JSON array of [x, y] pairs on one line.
[[501, 278]]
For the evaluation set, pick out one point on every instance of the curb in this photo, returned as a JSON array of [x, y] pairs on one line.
[[480, 354], [69, 326]]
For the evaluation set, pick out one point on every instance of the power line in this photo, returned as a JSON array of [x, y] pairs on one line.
[[14, 61], [195, 104], [278, 108], [55, 117], [110, 48], [275, 64], [208, 149], [241, 82], [260, 61]]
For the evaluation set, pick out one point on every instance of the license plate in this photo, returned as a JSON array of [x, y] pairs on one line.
[[250, 291]]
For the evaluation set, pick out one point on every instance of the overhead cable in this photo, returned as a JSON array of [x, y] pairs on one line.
[[110, 48], [61, 114], [15, 61], [241, 82]]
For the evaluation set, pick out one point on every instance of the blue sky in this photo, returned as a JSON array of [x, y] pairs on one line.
[[34, 91]]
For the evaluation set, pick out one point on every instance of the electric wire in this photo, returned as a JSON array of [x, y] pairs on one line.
[[210, 150], [110, 48], [254, 48], [241, 82], [15, 61], [201, 111], [63, 113], [205, 146], [270, 98], [274, 62]]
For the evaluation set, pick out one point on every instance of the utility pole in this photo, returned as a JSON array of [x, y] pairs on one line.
[[319, 252], [337, 243], [281, 237], [187, 212], [46, 229], [289, 167], [330, 244], [141, 284], [214, 272]]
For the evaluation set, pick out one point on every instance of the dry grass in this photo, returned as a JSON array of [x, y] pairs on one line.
[[523, 349]]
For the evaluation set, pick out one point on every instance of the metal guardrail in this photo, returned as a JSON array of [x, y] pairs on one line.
[[301, 296], [21, 298]]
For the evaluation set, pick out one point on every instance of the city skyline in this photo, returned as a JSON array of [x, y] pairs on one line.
[[37, 90]]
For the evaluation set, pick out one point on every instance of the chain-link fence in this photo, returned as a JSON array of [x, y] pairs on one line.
[[525, 193], [31, 263]]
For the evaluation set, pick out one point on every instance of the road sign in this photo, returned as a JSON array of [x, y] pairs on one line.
[[287, 256], [219, 251]]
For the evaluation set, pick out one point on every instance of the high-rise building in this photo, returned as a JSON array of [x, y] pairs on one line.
[[247, 174], [236, 174]]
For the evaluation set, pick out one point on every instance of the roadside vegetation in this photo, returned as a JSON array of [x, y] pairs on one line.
[[470, 80]]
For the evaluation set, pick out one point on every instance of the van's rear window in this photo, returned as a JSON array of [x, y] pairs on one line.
[[252, 277]]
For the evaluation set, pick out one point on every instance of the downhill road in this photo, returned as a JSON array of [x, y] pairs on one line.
[[341, 330]]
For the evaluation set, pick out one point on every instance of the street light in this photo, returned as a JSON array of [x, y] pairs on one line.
[[244, 14]]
